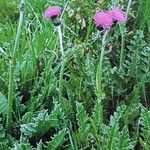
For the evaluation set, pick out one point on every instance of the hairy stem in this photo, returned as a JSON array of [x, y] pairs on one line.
[[22, 5], [61, 100], [128, 8], [122, 30], [60, 39], [11, 64], [122, 46], [99, 68]]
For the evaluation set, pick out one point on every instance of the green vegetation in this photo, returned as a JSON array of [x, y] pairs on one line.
[[78, 102]]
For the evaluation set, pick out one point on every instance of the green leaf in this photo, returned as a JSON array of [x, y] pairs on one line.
[[133, 106], [29, 129], [57, 140], [3, 140], [3, 146], [27, 117], [3, 104], [145, 123], [57, 112], [110, 135], [40, 122], [117, 115], [97, 118], [83, 123], [39, 145], [22, 146], [97, 115], [2, 135], [124, 142]]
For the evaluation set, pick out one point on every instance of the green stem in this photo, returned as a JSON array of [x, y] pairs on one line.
[[10, 95], [60, 85], [128, 8], [61, 100], [123, 36], [99, 68], [22, 6], [11, 65], [122, 47], [60, 39]]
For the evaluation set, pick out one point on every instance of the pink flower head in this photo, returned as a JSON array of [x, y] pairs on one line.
[[52, 12], [117, 15], [103, 19]]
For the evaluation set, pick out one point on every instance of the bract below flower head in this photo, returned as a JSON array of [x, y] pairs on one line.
[[102, 19], [117, 15], [52, 12]]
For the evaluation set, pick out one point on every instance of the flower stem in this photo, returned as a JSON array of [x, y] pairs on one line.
[[60, 84], [60, 39], [10, 94], [122, 30], [122, 46], [61, 100], [22, 6], [128, 8], [11, 65], [99, 69]]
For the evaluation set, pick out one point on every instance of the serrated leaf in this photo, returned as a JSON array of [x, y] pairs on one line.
[[3, 104], [28, 129], [57, 140], [97, 119], [110, 135], [54, 115], [40, 122], [3, 140], [83, 123], [22, 146], [145, 123], [3, 146], [124, 142], [2, 134], [39, 145], [26, 118]]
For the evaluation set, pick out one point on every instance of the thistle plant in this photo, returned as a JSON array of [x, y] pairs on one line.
[[104, 21], [53, 13], [85, 97]]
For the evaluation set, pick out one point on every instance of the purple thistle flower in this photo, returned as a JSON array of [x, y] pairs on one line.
[[117, 15], [52, 12], [103, 19]]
